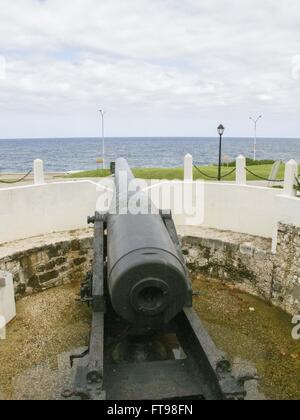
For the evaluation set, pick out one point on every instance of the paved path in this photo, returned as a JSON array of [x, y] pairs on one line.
[[59, 177], [49, 178]]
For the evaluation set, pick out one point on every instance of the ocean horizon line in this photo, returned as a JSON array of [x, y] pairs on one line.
[[147, 137]]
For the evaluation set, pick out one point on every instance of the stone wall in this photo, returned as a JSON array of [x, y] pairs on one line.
[[286, 281], [245, 261], [42, 264], [250, 265]]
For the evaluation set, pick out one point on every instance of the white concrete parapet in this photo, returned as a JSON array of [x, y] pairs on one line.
[[38, 168], [291, 172], [188, 168], [241, 176], [7, 301], [31, 210]]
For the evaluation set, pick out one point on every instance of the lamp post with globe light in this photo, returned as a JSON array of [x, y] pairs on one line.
[[221, 130]]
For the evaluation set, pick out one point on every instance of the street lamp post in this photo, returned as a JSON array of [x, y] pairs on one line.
[[255, 121], [221, 130], [102, 113]]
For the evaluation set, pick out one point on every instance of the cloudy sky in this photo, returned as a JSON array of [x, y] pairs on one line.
[[158, 67]]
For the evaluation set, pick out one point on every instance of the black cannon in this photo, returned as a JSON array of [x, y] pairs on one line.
[[146, 276], [146, 342]]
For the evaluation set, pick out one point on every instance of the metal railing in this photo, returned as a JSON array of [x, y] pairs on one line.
[[3, 181], [247, 169], [213, 177], [263, 178]]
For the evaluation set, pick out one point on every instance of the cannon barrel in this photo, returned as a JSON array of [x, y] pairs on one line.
[[146, 276]]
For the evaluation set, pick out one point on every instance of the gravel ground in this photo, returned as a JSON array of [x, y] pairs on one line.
[[47, 327], [248, 328], [51, 325]]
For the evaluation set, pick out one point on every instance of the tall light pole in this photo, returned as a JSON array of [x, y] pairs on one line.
[[221, 130], [255, 121], [102, 113]]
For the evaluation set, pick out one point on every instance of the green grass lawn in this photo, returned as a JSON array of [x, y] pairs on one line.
[[177, 173]]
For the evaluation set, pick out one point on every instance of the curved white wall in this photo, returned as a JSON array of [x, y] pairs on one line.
[[249, 209], [40, 209], [36, 210], [245, 209]]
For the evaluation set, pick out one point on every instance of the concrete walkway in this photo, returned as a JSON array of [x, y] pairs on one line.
[[49, 178], [59, 177]]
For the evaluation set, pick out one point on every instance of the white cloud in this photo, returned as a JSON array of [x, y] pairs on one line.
[[265, 97], [205, 56], [296, 67], [2, 68]]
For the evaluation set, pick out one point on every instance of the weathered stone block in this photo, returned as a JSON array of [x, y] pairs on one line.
[[185, 251], [59, 261], [193, 253], [247, 248], [53, 251], [44, 278], [79, 261], [33, 282], [49, 266], [75, 245]]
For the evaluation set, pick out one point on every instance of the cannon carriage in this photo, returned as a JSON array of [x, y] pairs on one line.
[[146, 341]]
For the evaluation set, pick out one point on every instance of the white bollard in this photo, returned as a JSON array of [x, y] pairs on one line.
[[7, 301], [38, 168], [188, 168], [291, 172], [241, 176]]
